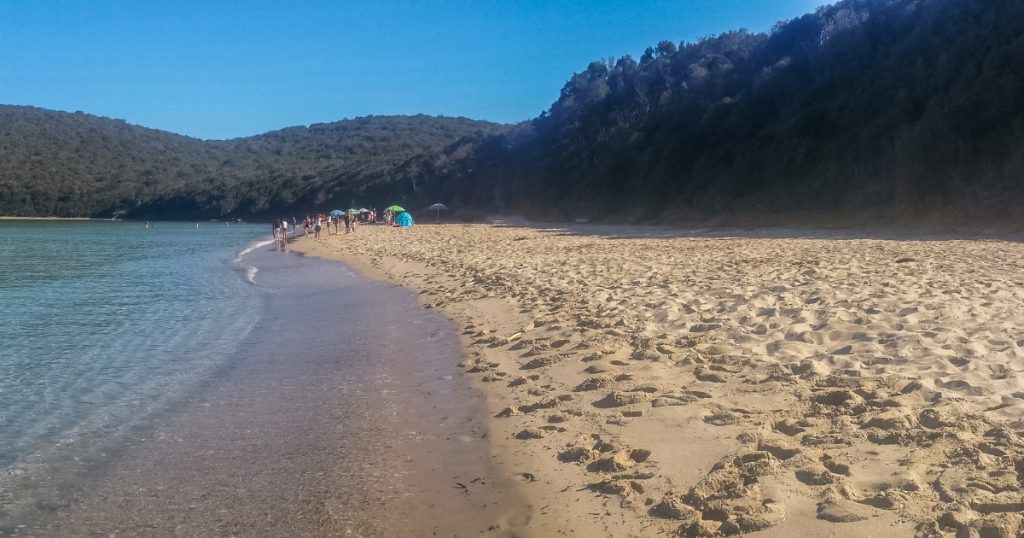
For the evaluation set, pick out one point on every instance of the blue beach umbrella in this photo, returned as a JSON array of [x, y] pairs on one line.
[[337, 213]]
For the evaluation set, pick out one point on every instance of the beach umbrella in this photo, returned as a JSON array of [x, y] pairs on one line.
[[438, 208], [396, 209], [363, 210], [337, 213], [353, 211]]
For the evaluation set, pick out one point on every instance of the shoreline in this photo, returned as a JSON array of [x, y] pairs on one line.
[[49, 218], [541, 484], [632, 374], [321, 425]]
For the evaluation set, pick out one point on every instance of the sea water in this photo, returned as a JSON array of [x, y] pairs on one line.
[[103, 325]]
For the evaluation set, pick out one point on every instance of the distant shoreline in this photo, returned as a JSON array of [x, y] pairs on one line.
[[48, 218]]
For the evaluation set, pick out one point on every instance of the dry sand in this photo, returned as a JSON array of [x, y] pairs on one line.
[[645, 382]]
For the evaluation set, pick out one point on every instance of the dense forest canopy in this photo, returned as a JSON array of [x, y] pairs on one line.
[[868, 107], [891, 108]]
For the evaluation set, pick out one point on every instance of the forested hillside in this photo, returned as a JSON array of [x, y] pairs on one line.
[[60, 164], [871, 108]]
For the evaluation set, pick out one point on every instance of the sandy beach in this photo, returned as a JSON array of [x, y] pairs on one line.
[[645, 381]]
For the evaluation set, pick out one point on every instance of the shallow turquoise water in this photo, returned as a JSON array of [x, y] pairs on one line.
[[101, 325]]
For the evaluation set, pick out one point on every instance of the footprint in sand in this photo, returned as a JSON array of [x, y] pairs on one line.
[[620, 398], [618, 461], [594, 383], [962, 386], [721, 418], [530, 433], [541, 362], [672, 400], [710, 376]]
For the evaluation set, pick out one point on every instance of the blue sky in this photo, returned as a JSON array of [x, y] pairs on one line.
[[222, 69]]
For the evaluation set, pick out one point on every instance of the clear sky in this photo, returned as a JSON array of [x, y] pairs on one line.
[[223, 69]]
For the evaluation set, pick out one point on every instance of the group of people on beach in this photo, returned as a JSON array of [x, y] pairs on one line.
[[281, 234], [322, 223], [329, 224]]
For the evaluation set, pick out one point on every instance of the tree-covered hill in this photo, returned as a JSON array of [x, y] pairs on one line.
[[61, 164], [55, 163], [865, 109]]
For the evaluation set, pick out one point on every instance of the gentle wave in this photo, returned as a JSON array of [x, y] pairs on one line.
[[253, 247], [250, 271]]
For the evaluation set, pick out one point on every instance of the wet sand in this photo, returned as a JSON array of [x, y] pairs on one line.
[[778, 383], [343, 415]]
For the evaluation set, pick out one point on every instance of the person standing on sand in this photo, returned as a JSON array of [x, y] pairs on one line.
[[284, 234], [316, 228], [276, 224]]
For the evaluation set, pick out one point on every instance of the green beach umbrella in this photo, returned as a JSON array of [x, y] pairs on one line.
[[353, 211], [396, 209]]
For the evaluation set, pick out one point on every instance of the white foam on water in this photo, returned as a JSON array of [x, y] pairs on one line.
[[253, 247], [250, 271]]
